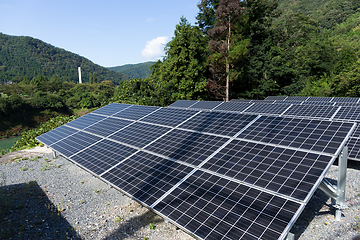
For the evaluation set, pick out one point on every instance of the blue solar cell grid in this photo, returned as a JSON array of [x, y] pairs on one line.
[[111, 109], [169, 116], [56, 135], [348, 113], [319, 99], [314, 111], [208, 105], [227, 124], [85, 121], [266, 108], [299, 98], [107, 126], [183, 103], [212, 207], [240, 100], [345, 100], [102, 156], [146, 177], [135, 112], [277, 98], [233, 106]]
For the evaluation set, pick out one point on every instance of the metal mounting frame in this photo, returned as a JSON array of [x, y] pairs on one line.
[[337, 192]]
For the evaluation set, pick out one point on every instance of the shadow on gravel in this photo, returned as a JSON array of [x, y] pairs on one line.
[[316, 203], [129, 228], [27, 213]]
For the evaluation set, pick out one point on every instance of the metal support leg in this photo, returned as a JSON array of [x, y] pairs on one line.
[[290, 236], [54, 154], [340, 200]]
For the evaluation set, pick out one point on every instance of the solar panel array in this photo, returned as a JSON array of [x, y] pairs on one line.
[[214, 174], [339, 109]]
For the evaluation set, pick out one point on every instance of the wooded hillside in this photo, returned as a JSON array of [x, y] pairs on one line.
[[140, 70], [27, 56]]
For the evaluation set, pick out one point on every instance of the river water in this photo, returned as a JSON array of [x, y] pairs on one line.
[[8, 142]]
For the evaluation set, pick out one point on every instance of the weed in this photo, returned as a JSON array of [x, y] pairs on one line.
[[151, 226], [146, 238], [118, 219], [23, 168], [96, 191], [81, 181], [131, 210], [106, 204], [37, 157], [81, 201], [25, 158]]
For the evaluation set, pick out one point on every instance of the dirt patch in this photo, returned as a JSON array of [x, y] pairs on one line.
[[27, 153]]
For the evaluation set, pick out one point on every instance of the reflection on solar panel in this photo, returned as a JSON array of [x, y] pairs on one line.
[[205, 105], [183, 103], [314, 111], [214, 174]]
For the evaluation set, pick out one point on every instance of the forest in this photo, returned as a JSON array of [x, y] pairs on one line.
[[237, 49]]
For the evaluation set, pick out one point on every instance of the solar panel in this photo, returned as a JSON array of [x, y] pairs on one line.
[[135, 112], [188, 147], [318, 103], [107, 126], [233, 106], [316, 135], [205, 105], [240, 100], [262, 101], [214, 174], [85, 121], [319, 99], [296, 98], [226, 124], [348, 113], [101, 156], [139, 134], [169, 116], [278, 98], [146, 177], [74, 143], [265, 108], [213, 207], [345, 100], [56, 135], [111, 109], [183, 103], [314, 111]]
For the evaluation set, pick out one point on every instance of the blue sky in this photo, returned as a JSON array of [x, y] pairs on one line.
[[108, 32]]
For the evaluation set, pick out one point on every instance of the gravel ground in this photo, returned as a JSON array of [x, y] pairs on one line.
[[47, 198]]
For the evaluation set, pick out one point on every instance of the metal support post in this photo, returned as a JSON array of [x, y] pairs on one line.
[[54, 153], [341, 184], [290, 236]]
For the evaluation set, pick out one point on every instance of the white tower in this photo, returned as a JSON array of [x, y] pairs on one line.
[[79, 70]]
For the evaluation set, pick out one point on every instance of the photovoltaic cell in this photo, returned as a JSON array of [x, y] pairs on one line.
[[345, 100], [146, 177], [216, 208], [139, 134], [189, 147], [319, 99], [74, 143], [289, 172], [56, 135], [318, 103], [205, 105], [240, 100], [169, 116], [111, 108], [233, 106], [85, 121], [316, 135], [354, 148], [289, 102], [347, 104], [102, 156], [348, 113], [298, 98], [314, 111], [135, 112], [183, 103], [227, 124], [262, 101], [107, 126], [266, 108], [278, 98]]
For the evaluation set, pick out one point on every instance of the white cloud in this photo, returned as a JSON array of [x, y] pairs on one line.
[[149, 19], [154, 48]]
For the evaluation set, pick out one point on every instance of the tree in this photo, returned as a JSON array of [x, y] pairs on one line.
[[93, 78], [182, 72], [222, 35], [206, 16]]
